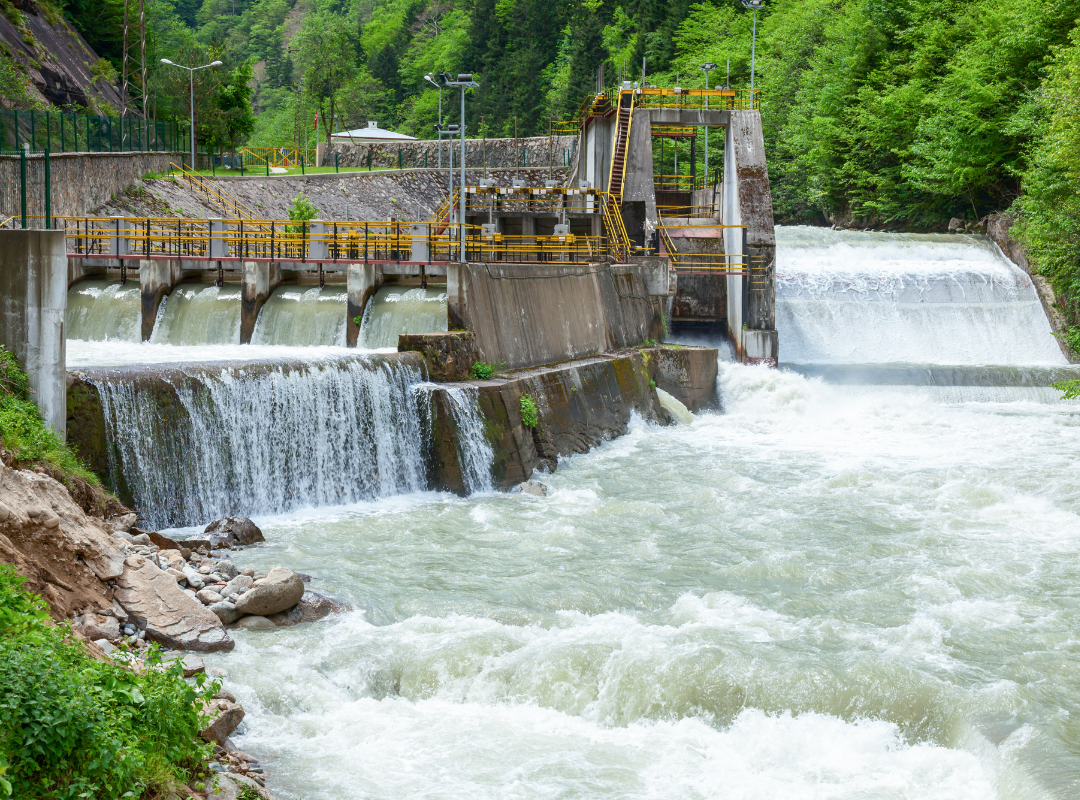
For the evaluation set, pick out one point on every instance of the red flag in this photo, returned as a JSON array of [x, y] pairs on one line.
[[316, 120]]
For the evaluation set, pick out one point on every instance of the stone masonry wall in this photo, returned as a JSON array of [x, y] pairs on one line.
[[534, 151], [81, 182]]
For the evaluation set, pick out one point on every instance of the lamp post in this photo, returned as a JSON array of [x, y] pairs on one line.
[[449, 130], [430, 78], [463, 82], [755, 6], [707, 67], [191, 98]]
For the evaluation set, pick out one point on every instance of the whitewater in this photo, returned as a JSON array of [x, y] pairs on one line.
[[851, 586]]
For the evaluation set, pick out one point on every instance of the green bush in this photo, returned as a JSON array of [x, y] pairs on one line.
[[481, 371], [530, 414], [24, 435], [72, 727], [301, 209], [1070, 389]]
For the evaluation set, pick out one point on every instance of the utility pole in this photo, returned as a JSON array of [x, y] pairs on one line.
[[431, 79], [755, 6], [707, 68], [191, 96], [464, 81], [142, 53], [124, 66]]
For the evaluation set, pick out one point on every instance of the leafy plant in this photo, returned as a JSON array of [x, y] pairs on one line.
[[73, 727], [481, 371], [23, 433], [530, 413], [301, 209], [1070, 389]]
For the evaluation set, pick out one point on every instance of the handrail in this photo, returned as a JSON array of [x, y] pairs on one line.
[[224, 201]]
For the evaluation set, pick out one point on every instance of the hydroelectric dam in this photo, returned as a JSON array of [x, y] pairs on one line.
[[633, 493]]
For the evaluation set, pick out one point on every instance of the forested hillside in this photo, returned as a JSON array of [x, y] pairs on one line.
[[902, 113]]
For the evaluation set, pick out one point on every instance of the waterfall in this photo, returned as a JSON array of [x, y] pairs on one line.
[[104, 310], [394, 310], [475, 453], [194, 313], [873, 298], [191, 444], [303, 315]]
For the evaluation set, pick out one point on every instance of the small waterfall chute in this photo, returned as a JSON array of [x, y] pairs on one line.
[[394, 310], [677, 410], [195, 313], [99, 311], [303, 316], [475, 454]]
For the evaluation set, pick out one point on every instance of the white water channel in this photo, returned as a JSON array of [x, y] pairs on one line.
[[825, 591]]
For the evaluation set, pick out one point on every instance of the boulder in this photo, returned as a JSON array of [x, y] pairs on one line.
[[100, 626], [208, 597], [238, 585], [222, 718], [279, 590], [190, 663], [197, 545], [165, 543], [227, 569], [534, 488], [225, 611], [311, 608], [234, 532], [255, 623], [169, 616], [171, 559]]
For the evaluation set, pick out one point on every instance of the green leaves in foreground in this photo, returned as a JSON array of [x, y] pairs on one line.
[[72, 727], [1070, 389]]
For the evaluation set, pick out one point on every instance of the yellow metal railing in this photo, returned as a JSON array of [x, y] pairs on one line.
[[674, 183], [697, 99], [703, 263], [285, 157], [228, 204]]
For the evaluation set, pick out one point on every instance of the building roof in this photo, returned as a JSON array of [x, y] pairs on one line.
[[372, 131]]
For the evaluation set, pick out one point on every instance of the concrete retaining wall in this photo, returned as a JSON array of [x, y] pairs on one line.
[[581, 404], [80, 181], [534, 151], [529, 314], [33, 304]]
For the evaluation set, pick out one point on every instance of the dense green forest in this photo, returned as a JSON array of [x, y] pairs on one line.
[[876, 112]]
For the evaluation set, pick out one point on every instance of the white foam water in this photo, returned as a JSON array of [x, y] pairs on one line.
[[197, 314], [394, 310], [475, 453], [104, 311], [303, 315], [266, 438], [844, 297], [826, 591]]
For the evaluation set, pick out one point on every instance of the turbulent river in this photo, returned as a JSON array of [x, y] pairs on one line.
[[862, 586]]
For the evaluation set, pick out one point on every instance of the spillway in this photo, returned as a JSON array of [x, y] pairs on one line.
[[104, 311], [844, 297], [197, 314], [394, 310], [303, 316], [194, 442]]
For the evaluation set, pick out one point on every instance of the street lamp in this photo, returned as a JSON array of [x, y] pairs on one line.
[[755, 6], [463, 82], [191, 86], [707, 67], [449, 130], [430, 78]]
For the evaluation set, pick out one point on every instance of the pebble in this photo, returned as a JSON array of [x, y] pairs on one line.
[[129, 630], [208, 597]]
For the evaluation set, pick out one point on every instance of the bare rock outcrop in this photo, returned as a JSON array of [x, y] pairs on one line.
[[170, 616], [279, 590]]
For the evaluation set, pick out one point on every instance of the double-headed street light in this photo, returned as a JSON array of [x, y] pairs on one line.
[[755, 6], [463, 82], [430, 78], [707, 67], [449, 130], [191, 85]]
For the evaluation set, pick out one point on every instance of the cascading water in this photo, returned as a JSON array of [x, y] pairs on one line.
[[197, 314], [475, 453], [394, 310], [264, 439], [870, 298], [104, 311], [303, 315]]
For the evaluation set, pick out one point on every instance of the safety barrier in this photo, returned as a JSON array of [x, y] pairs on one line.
[[55, 132]]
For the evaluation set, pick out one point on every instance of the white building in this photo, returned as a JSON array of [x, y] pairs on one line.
[[372, 134]]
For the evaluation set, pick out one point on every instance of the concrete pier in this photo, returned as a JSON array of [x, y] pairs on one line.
[[157, 278], [259, 281], [362, 282], [33, 304]]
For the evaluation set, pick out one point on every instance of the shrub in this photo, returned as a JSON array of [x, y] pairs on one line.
[[530, 414], [1070, 389], [301, 209], [26, 438], [481, 371], [72, 727]]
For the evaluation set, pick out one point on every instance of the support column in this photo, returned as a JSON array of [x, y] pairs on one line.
[[362, 282], [457, 310], [259, 281], [33, 305], [157, 278]]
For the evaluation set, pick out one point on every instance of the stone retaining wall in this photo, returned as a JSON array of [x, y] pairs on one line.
[[81, 182], [534, 151]]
